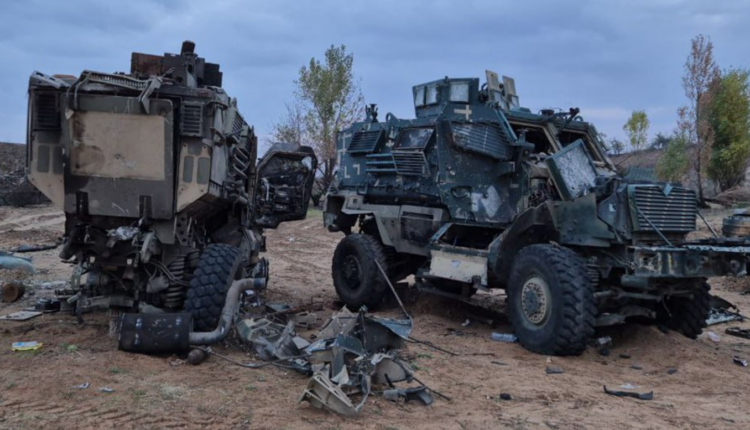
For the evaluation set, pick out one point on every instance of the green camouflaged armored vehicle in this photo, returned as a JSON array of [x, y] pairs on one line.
[[156, 173], [478, 193]]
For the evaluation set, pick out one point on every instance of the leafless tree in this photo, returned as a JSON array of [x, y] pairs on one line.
[[700, 79]]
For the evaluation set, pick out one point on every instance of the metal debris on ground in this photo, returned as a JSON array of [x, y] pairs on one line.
[[714, 337], [20, 316], [505, 396], [352, 353], [504, 337], [82, 386], [26, 346], [739, 361], [12, 262], [639, 396], [738, 332], [107, 390], [421, 394], [721, 312], [554, 370], [671, 371], [47, 305]]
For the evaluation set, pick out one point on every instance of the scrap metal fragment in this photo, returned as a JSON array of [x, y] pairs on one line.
[[341, 323], [421, 394], [322, 393], [20, 316], [389, 369], [739, 332], [639, 396]]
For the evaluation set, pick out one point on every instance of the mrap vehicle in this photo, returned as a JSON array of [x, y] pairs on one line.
[[157, 174], [477, 193]]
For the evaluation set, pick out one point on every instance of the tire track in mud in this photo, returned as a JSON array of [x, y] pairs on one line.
[[85, 415]]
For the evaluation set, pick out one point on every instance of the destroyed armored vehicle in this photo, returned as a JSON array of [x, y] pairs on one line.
[[156, 172], [478, 193]]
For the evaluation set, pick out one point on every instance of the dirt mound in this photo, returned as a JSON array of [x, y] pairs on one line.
[[733, 197], [12, 157]]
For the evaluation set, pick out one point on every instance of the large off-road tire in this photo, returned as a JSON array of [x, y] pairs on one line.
[[357, 279], [218, 267], [687, 315], [551, 300]]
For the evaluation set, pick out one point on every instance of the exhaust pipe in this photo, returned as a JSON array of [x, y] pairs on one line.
[[227, 314], [166, 333]]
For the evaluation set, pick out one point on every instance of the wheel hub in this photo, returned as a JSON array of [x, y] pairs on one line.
[[535, 300], [352, 272]]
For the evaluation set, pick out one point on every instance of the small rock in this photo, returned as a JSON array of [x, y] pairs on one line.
[[671, 371], [505, 396], [604, 352], [634, 367], [553, 370]]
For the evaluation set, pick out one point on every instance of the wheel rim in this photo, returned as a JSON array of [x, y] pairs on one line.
[[352, 272], [536, 300]]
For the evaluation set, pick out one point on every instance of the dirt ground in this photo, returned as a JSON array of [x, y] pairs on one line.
[[36, 388]]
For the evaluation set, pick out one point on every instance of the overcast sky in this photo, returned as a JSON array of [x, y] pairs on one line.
[[606, 57]]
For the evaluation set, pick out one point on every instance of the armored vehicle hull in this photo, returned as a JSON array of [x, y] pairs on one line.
[[156, 172], [478, 193]]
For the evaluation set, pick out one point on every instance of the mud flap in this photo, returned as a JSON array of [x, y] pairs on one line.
[[284, 184]]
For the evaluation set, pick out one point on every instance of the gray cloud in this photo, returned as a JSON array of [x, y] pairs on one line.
[[606, 57]]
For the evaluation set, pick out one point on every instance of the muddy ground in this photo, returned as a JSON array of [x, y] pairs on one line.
[[706, 391]]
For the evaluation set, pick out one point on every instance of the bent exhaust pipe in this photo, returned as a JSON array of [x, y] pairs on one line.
[[227, 314], [166, 333]]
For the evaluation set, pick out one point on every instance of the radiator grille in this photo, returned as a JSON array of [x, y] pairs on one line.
[[46, 112], [364, 141], [674, 212], [410, 163], [488, 139], [192, 119], [380, 163]]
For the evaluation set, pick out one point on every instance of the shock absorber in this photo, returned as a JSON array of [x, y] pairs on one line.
[[174, 295]]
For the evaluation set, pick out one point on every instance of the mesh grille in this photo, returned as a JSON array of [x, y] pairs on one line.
[[410, 163], [192, 119], [364, 141], [120, 81], [488, 139], [46, 112], [380, 163], [675, 212]]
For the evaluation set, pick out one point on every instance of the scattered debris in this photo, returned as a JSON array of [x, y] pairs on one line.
[[466, 323], [671, 371], [720, 312], [738, 332], [639, 396], [504, 337], [603, 341], [553, 370], [47, 305], [12, 262], [107, 390], [628, 386], [739, 361], [421, 394], [714, 337], [12, 291], [499, 363], [636, 367], [625, 356], [28, 248], [20, 316], [505, 396], [82, 386], [26, 346]]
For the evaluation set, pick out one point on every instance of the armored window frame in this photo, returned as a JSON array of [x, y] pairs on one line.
[[423, 141]]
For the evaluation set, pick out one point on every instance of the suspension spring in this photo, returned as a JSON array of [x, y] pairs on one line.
[[174, 295]]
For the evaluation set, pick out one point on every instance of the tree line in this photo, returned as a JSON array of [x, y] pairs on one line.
[[711, 138]]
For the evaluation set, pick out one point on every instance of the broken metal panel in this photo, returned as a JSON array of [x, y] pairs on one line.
[[322, 393], [572, 171]]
